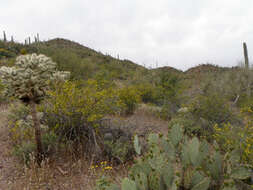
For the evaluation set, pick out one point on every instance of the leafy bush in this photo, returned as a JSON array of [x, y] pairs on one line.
[[120, 151], [25, 150], [236, 138], [20, 129], [147, 93], [73, 112], [232, 137], [129, 97], [2, 98], [22, 132], [191, 126], [212, 108], [5, 53], [168, 88], [23, 51], [168, 110], [179, 162]]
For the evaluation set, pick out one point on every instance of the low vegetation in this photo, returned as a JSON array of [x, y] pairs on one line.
[[83, 117]]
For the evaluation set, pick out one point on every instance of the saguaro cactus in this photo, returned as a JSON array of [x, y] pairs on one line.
[[5, 39], [246, 58], [38, 37], [28, 81]]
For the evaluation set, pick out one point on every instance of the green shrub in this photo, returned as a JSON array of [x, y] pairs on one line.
[[212, 108], [168, 111], [191, 126], [147, 93], [23, 51], [20, 129], [119, 151], [233, 138], [129, 97], [74, 112], [3, 99], [24, 151], [5, 53], [22, 133]]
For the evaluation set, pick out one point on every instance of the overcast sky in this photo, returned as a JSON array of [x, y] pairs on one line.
[[177, 33]]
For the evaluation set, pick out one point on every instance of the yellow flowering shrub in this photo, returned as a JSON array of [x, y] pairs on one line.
[[71, 109], [236, 138], [129, 97]]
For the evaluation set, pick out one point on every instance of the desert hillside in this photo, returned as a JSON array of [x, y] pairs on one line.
[[74, 118]]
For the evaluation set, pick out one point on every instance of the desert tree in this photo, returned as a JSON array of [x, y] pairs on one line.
[[28, 80]]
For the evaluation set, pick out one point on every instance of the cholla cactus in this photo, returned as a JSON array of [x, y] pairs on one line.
[[28, 81]]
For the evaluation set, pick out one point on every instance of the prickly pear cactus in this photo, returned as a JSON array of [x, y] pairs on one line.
[[178, 162]]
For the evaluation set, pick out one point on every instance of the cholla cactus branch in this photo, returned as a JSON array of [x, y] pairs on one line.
[[28, 81]]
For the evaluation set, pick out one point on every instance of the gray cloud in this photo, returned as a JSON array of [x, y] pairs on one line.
[[180, 34]]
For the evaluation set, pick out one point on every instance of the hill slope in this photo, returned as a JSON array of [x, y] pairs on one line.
[[84, 62]]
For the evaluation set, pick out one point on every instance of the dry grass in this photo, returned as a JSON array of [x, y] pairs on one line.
[[143, 121], [65, 175]]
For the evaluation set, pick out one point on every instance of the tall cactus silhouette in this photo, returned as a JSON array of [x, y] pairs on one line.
[[246, 58], [246, 61], [38, 37], [5, 39]]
